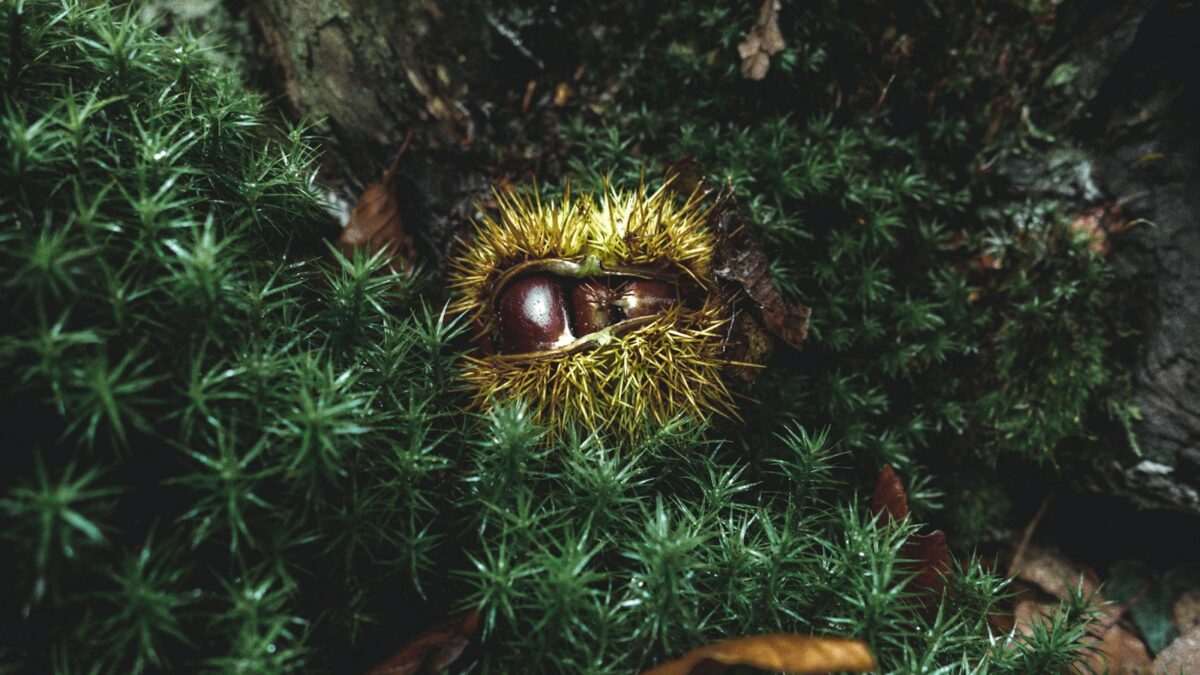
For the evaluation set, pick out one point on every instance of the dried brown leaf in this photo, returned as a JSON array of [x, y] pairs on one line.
[[376, 223], [777, 652], [1054, 574], [762, 42], [1112, 648], [931, 556], [742, 261], [929, 553], [889, 496], [750, 346], [434, 650]]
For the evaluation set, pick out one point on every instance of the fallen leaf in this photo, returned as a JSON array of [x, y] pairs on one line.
[[1119, 651], [434, 650], [1054, 574], [889, 496], [376, 224], [750, 346], [1181, 656], [1113, 647], [929, 553], [741, 259], [931, 558], [777, 652], [762, 42], [1088, 227]]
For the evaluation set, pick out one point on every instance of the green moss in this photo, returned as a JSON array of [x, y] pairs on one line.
[[230, 449], [950, 317]]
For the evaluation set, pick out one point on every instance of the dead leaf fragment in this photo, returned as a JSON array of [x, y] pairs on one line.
[[434, 650], [376, 224], [741, 260], [1054, 574], [750, 347], [889, 496], [1113, 647], [778, 652], [762, 42], [929, 554]]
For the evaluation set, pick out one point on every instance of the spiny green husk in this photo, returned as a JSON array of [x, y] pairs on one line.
[[625, 383]]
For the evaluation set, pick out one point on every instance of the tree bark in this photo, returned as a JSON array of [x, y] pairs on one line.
[[1139, 150], [368, 72], [1155, 165]]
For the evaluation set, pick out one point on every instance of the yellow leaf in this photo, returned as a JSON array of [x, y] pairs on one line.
[[777, 652]]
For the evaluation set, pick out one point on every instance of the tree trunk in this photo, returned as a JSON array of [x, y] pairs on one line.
[[368, 73], [1155, 165], [1139, 151]]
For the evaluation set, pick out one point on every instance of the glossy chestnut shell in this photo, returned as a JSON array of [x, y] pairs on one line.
[[542, 311]]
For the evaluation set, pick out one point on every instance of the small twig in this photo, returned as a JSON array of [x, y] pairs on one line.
[[882, 97], [395, 165], [1027, 535]]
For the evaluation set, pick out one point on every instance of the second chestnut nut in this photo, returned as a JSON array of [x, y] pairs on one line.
[[535, 314]]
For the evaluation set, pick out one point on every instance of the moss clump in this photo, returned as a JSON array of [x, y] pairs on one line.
[[953, 321], [228, 449]]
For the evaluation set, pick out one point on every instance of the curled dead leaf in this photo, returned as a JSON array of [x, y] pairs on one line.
[[376, 223], [750, 345], [928, 554], [741, 260], [778, 652], [931, 558], [762, 42], [1186, 611], [432, 651]]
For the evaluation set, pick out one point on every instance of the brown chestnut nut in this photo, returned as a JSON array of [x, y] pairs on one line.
[[590, 309], [643, 297], [533, 315]]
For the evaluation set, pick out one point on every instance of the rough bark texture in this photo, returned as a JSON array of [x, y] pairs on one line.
[[1155, 164], [367, 72], [1140, 149]]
